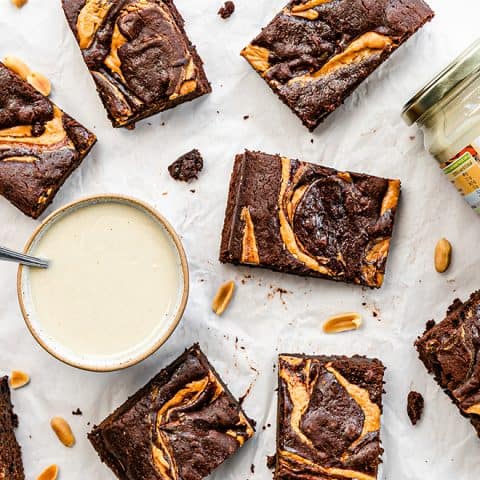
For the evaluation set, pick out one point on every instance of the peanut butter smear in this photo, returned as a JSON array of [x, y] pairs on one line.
[[249, 243], [113, 61], [308, 5], [257, 56], [53, 135], [368, 44], [90, 19]]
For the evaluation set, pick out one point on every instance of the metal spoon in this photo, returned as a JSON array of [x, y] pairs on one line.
[[29, 261]]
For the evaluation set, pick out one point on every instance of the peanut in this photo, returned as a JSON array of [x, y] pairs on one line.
[[17, 66], [63, 431], [342, 322], [50, 473], [443, 255], [223, 297], [40, 83], [19, 3], [19, 379]]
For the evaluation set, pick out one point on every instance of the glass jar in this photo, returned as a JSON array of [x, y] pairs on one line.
[[448, 112]]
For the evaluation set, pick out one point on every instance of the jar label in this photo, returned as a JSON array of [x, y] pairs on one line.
[[463, 171]]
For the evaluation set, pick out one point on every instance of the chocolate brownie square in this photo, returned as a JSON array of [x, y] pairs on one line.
[[138, 54], [315, 53], [183, 424], [40, 146], [11, 465], [450, 351], [329, 410], [306, 219]]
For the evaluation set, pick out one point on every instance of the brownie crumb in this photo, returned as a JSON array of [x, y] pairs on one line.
[[227, 10], [271, 461], [252, 468], [187, 167], [246, 117], [77, 412], [415, 404]]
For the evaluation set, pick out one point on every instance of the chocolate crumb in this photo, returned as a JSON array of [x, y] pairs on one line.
[[311, 140], [271, 461], [375, 314], [38, 129], [77, 412], [415, 404], [227, 10], [246, 117], [187, 167], [252, 468]]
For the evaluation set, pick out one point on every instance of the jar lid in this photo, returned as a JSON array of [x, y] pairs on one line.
[[465, 65]]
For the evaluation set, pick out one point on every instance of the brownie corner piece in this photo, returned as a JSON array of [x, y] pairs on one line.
[[315, 53], [11, 465], [183, 424], [329, 417], [450, 350], [40, 145], [306, 219], [138, 54]]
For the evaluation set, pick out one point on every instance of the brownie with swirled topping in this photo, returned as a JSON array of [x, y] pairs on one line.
[[315, 53], [329, 410], [138, 54], [182, 425], [450, 350], [40, 145], [11, 465], [302, 218]]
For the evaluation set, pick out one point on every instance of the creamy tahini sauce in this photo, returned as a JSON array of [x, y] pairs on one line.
[[114, 278]]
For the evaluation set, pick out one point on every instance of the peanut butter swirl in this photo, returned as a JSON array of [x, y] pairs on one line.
[[329, 417]]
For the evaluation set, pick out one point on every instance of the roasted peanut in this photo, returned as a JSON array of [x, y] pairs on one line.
[[223, 297], [17, 66], [40, 83], [342, 322], [443, 255], [50, 473], [63, 431], [18, 379], [19, 3]]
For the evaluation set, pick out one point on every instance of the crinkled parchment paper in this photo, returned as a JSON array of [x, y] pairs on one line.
[[365, 135]]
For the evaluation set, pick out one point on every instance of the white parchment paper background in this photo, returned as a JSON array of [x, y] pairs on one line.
[[365, 135]]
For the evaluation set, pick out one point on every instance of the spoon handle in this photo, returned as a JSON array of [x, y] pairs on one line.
[[11, 256]]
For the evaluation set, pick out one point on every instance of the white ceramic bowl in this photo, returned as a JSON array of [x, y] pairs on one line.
[[138, 353]]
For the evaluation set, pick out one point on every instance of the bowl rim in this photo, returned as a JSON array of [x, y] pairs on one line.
[[106, 198]]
